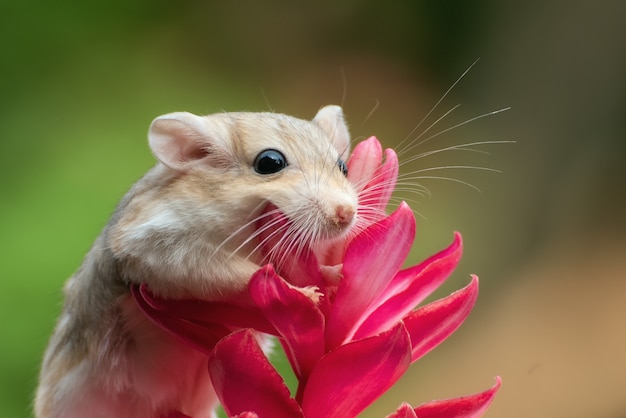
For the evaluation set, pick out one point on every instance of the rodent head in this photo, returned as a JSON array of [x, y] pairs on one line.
[[219, 173]]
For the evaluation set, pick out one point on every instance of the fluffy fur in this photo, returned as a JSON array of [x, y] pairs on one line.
[[188, 228]]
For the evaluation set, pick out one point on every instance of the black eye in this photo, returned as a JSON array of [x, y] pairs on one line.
[[269, 161], [343, 167]]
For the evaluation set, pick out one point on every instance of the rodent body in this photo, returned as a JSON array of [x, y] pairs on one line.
[[187, 229]]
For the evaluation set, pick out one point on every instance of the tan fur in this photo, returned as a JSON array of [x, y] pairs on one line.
[[174, 231]]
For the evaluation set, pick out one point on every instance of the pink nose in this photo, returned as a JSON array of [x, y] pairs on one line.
[[344, 215]]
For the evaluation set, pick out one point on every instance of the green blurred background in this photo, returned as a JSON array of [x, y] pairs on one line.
[[81, 81]]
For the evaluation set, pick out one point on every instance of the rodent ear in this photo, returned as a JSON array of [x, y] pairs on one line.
[[179, 139], [330, 118]]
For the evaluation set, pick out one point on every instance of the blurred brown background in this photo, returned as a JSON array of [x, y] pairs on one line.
[[81, 81]]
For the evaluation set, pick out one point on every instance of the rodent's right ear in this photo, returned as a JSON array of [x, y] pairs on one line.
[[180, 139], [330, 118]]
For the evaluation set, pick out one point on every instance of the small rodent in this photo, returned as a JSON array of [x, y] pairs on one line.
[[187, 229]]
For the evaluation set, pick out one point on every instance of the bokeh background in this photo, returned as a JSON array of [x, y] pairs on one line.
[[81, 81]]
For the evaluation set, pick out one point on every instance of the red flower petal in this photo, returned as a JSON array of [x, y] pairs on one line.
[[298, 321], [363, 162], [471, 406], [376, 194], [202, 312], [176, 414], [404, 411], [247, 414], [410, 287], [433, 323], [371, 261], [348, 379], [244, 379], [201, 337]]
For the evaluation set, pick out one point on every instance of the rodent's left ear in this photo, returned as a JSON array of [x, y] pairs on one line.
[[181, 139], [330, 119]]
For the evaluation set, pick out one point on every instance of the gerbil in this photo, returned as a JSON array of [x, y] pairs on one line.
[[187, 229]]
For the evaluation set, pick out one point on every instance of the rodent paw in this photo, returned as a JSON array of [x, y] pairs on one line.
[[311, 292]]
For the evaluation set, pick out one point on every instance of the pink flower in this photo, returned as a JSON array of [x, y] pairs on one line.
[[343, 312], [245, 379]]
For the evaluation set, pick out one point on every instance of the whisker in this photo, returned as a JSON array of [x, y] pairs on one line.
[[459, 147], [411, 145], [254, 235], [264, 241], [449, 167], [344, 83], [270, 108], [416, 188], [458, 125], [371, 112], [450, 179], [441, 99]]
